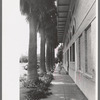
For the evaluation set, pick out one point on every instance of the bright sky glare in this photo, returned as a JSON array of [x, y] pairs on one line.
[[15, 39]]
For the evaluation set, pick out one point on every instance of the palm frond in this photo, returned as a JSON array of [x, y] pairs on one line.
[[46, 13]]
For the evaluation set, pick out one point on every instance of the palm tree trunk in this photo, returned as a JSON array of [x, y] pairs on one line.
[[51, 60], [47, 55], [53, 57], [42, 52], [32, 64]]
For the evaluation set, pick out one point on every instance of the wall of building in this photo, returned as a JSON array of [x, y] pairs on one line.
[[84, 15]]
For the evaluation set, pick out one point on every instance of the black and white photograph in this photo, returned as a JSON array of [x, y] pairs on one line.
[[50, 50]]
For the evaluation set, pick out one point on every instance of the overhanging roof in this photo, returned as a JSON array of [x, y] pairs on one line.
[[63, 10]]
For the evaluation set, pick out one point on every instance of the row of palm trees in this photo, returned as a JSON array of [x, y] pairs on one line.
[[41, 15]]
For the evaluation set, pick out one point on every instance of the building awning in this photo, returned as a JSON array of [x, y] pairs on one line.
[[63, 10]]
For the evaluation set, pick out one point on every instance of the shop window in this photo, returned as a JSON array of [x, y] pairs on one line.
[[72, 53], [88, 49], [80, 51], [68, 55]]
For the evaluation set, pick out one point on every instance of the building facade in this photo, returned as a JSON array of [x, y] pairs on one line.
[[80, 48]]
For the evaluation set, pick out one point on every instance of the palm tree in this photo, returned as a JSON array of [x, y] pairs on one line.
[[42, 51], [44, 24], [51, 40], [51, 45], [35, 10]]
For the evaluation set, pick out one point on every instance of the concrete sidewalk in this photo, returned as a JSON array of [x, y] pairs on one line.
[[64, 88]]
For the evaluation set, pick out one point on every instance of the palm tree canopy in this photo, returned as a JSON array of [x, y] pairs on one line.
[[51, 28], [37, 8], [45, 12]]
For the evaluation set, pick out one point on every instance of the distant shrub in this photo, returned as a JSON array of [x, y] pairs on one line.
[[23, 59]]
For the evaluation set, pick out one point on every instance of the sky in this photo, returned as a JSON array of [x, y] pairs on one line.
[[15, 25], [15, 40]]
